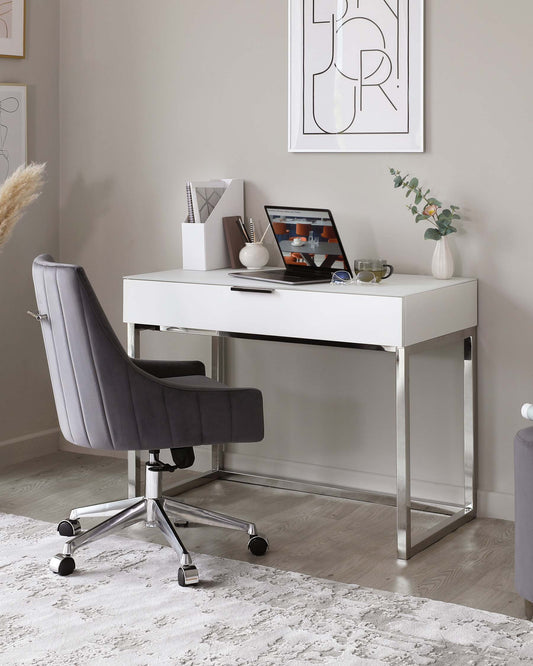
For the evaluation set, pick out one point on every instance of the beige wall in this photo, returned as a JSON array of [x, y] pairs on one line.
[[194, 89], [28, 422]]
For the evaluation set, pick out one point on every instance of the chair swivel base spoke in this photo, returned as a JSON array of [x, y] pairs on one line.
[[196, 514], [152, 510], [104, 509], [183, 513]]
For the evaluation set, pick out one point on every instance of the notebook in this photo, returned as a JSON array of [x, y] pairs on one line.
[[309, 244]]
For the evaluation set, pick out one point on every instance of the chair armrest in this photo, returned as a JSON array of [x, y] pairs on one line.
[[164, 369]]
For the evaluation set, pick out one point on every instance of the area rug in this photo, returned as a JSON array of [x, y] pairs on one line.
[[123, 605]]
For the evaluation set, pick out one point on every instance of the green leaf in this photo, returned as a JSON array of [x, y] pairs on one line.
[[418, 198], [445, 213], [419, 218], [392, 171], [456, 217], [413, 183], [408, 192], [398, 181], [414, 210], [449, 230], [435, 202], [432, 234], [454, 207]]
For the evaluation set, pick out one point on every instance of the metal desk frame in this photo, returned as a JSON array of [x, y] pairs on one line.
[[453, 516]]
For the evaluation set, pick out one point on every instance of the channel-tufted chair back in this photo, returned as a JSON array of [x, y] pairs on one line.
[[104, 400]]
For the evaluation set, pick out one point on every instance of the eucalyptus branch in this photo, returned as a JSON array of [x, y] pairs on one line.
[[433, 211]]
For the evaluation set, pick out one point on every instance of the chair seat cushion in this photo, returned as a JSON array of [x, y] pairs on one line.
[[224, 414]]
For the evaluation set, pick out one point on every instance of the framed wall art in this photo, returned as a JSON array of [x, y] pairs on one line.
[[12, 19], [12, 128], [356, 72]]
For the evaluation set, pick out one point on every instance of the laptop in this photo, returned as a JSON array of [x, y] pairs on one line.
[[309, 244]]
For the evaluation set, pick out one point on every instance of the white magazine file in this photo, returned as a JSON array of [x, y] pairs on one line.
[[204, 244]]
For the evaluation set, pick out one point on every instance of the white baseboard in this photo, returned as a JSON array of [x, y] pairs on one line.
[[27, 447], [490, 504], [495, 505]]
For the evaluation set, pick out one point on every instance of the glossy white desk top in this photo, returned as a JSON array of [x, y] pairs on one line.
[[397, 286], [400, 311]]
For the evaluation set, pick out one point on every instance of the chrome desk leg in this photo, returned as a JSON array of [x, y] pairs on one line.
[[218, 372], [470, 365], [406, 546], [403, 454], [135, 466]]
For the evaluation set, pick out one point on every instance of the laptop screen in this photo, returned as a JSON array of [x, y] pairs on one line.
[[307, 239]]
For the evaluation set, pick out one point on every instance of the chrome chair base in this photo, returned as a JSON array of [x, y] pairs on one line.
[[153, 509]]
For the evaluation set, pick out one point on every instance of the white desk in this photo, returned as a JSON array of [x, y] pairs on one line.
[[404, 315]]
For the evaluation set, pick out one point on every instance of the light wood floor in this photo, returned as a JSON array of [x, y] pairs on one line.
[[325, 537]]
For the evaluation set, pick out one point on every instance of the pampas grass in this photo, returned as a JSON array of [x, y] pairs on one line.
[[18, 191]]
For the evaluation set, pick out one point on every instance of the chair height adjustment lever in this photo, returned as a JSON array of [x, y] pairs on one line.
[[37, 316], [156, 465], [161, 467]]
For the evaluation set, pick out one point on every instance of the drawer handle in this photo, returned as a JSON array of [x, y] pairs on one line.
[[253, 290]]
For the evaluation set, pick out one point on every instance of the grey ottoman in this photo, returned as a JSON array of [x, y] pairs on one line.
[[523, 447]]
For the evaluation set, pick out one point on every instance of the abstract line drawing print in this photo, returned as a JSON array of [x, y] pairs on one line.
[[355, 67], [207, 198], [6, 18], [7, 105], [12, 128], [356, 75]]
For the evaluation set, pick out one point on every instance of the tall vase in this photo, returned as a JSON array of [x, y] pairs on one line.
[[442, 262]]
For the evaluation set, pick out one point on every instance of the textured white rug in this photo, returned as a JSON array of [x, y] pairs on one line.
[[123, 605]]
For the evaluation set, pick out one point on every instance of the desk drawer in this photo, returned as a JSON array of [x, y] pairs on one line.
[[281, 312]]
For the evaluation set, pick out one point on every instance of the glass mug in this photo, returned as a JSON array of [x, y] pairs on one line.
[[372, 270]]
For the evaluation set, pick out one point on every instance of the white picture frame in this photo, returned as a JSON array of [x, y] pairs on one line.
[[336, 44], [12, 128], [12, 28]]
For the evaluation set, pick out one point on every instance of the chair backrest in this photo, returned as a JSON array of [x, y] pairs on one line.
[[89, 369]]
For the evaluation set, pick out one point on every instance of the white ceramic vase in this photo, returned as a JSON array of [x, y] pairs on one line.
[[253, 255], [442, 262]]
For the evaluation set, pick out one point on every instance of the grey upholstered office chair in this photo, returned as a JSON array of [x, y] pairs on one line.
[[105, 400]]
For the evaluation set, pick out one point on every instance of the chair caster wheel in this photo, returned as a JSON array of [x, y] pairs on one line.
[[181, 523], [257, 545], [69, 528], [188, 575], [63, 565]]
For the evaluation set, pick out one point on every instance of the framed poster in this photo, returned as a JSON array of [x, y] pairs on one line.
[[12, 19], [356, 72], [12, 128]]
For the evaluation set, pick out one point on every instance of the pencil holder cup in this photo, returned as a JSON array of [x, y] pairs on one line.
[[253, 255]]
